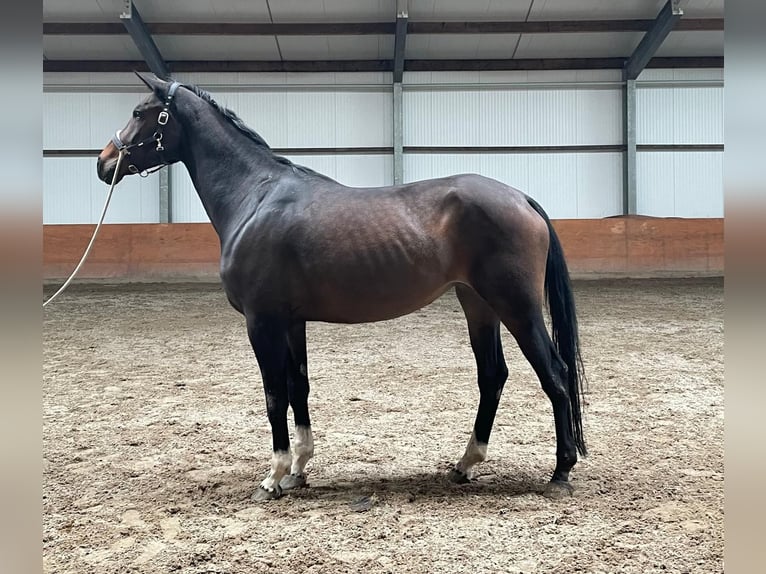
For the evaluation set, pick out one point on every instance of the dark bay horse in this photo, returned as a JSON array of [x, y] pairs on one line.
[[297, 246]]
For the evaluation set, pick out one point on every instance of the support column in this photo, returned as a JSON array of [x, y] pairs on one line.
[[629, 196], [664, 23], [165, 197], [400, 41], [398, 135]]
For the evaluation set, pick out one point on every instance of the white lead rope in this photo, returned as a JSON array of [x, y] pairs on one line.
[[95, 232]]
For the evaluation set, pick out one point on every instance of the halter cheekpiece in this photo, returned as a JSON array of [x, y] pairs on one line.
[[162, 120]]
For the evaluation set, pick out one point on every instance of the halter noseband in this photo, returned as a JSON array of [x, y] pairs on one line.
[[162, 120]]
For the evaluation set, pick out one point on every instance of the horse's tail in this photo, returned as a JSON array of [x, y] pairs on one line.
[[561, 305]]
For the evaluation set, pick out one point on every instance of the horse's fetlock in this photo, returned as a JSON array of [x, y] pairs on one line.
[[567, 459]]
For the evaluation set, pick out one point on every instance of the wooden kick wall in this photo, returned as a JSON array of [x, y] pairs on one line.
[[632, 246]]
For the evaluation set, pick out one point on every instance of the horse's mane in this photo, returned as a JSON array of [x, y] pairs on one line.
[[237, 122]]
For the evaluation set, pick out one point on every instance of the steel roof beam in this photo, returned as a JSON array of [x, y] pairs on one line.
[[666, 20], [376, 65], [373, 28], [134, 24], [400, 40]]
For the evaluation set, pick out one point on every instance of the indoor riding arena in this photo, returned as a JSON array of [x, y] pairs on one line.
[[168, 367]]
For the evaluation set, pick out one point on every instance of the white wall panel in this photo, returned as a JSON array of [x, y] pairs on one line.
[[698, 184], [655, 184], [72, 193], [679, 115], [313, 118], [553, 183], [363, 119], [552, 117], [599, 184], [81, 120], [699, 115], [680, 184], [309, 121], [654, 116], [81, 111], [512, 170], [320, 118], [352, 170], [265, 112], [568, 185], [511, 117], [599, 117], [185, 205], [66, 121], [85, 120]]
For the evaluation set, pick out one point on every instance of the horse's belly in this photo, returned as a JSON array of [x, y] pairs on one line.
[[386, 296]]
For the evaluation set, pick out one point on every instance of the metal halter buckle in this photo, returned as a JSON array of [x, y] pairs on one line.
[[162, 119]]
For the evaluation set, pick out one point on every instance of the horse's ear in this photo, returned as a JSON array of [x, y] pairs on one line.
[[152, 82]]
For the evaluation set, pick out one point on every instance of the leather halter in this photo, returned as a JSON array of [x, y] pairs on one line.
[[162, 120]]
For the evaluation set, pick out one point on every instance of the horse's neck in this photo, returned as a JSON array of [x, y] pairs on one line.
[[225, 165]]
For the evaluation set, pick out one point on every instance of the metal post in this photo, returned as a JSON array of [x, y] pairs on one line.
[[398, 135], [165, 198], [400, 40], [629, 191]]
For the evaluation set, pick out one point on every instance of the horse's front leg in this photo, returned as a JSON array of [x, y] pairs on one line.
[[298, 394], [268, 336]]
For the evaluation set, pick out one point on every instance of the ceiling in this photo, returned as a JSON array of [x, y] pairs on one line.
[[68, 45]]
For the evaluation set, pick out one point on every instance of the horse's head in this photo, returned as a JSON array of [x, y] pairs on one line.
[[150, 139]]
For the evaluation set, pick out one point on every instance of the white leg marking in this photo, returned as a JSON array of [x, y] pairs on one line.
[[475, 452], [280, 466], [303, 448]]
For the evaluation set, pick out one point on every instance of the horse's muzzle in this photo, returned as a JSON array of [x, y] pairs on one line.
[[105, 167]]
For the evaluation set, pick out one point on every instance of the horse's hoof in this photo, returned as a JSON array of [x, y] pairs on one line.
[[264, 494], [290, 481], [457, 476], [557, 490]]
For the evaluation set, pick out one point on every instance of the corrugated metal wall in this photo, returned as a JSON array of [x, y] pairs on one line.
[[71, 191], [569, 184], [323, 112], [309, 118], [675, 107], [511, 116], [440, 110], [354, 170], [73, 194]]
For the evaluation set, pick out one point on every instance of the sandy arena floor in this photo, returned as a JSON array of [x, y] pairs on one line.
[[156, 435]]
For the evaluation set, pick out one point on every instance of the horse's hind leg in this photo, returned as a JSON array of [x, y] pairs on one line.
[[298, 395], [484, 331], [530, 332]]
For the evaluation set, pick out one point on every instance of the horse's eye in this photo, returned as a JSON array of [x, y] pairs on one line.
[[137, 114]]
